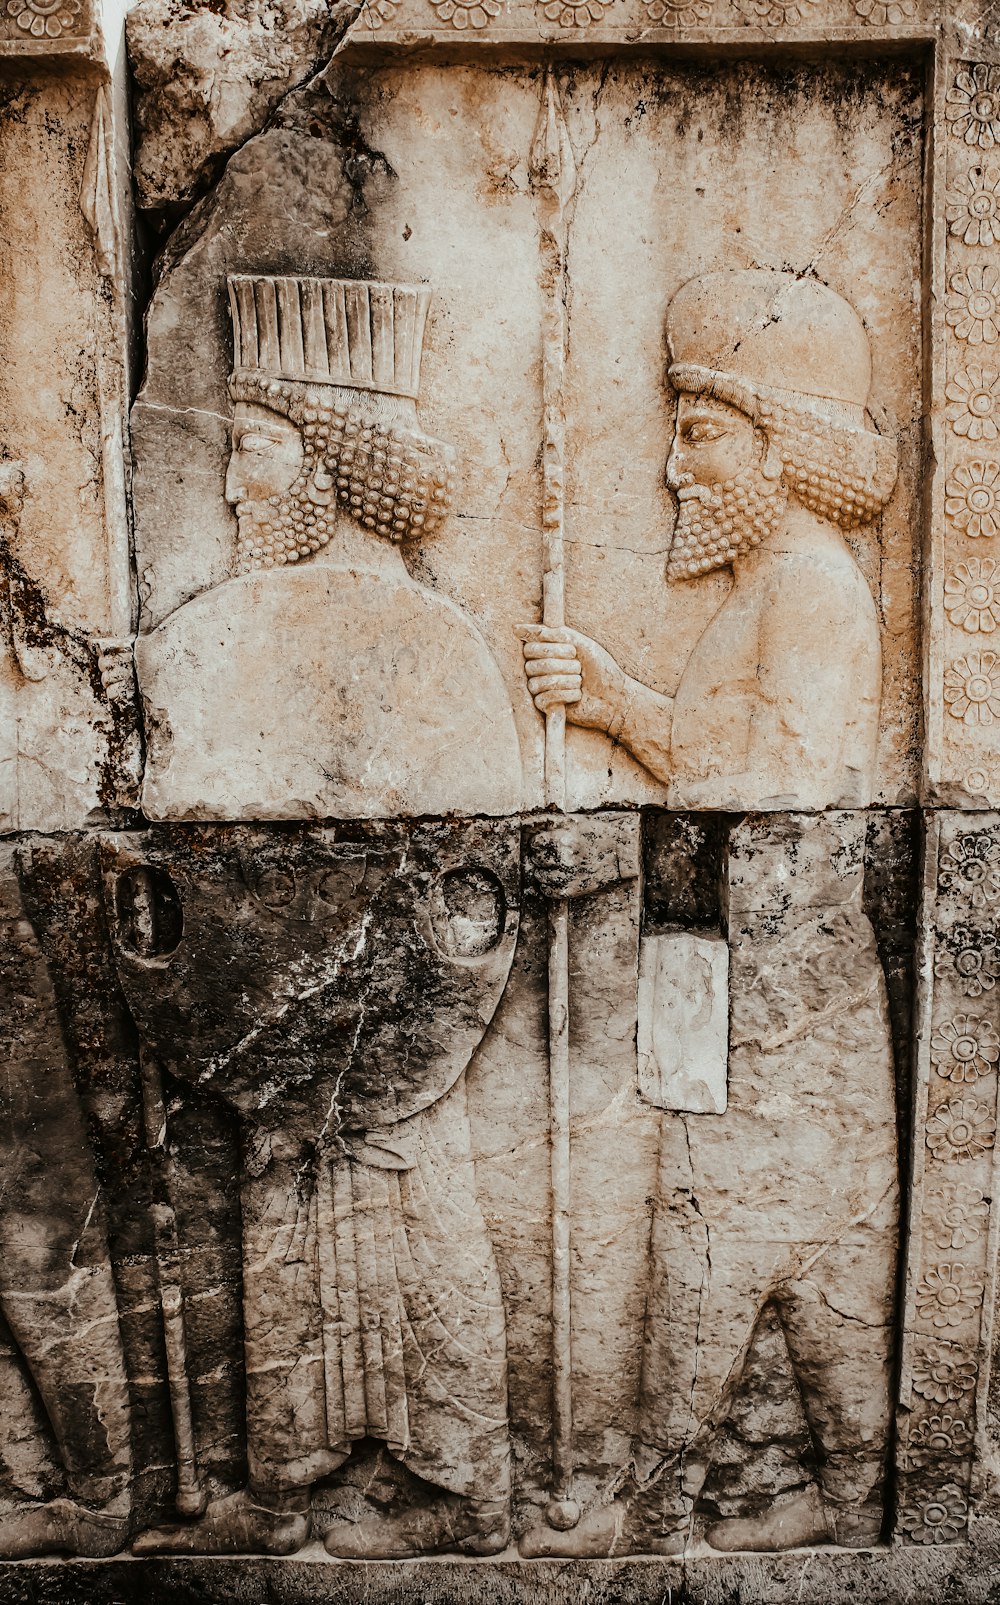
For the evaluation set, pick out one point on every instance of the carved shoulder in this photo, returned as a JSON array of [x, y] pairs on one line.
[[815, 589]]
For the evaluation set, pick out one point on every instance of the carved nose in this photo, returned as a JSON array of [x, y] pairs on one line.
[[235, 489]]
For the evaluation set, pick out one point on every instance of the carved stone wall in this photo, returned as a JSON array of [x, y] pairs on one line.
[[499, 877]]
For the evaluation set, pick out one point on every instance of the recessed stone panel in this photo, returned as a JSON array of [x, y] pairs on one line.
[[497, 908]]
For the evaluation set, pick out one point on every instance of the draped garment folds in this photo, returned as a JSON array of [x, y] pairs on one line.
[[370, 961], [791, 1196], [373, 1308]]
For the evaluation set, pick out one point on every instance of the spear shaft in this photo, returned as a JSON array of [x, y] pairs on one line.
[[192, 1495], [553, 176]]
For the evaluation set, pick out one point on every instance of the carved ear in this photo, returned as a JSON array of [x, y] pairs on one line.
[[773, 464], [320, 488]]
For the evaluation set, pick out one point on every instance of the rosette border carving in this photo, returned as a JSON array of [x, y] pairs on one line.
[[950, 1291]]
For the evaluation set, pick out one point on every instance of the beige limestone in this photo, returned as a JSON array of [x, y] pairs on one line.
[[489, 329], [321, 680], [498, 884], [683, 1022], [208, 79], [66, 752]]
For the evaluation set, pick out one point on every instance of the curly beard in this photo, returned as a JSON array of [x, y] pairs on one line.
[[391, 479], [718, 523]]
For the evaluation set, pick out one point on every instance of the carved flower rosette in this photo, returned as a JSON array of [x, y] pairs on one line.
[[574, 13], [965, 1048], [940, 1516], [954, 1182], [463, 14], [379, 13], [677, 13], [941, 1374], [941, 1436], [45, 20], [973, 106], [962, 1214], [969, 958], [972, 499], [777, 13], [972, 205], [883, 13]]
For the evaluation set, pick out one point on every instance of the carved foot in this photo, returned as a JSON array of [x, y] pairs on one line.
[[639, 1522], [63, 1527], [859, 1527], [793, 1522], [236, 1525], [603, 1531], [596, 1534], [471, 1527]]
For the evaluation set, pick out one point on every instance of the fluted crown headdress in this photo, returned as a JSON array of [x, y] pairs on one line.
[[357, 333]]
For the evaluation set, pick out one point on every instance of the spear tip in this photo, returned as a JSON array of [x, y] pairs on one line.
[[551, 166]]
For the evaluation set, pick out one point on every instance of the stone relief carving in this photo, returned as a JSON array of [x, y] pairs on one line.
[[330, 473], [771, 459], [775, 13], [967, 683], [46, 19], [973, 207], [40, 650], [683, 1026], [371, 1303], [950, 1262], [518, 1174], [57, 1294], [772, 462], [677, 13], [776, 1199]]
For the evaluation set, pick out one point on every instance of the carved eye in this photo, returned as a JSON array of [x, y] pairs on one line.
[[275, 887], [468, 912], [257, 443], [150, 916], [702, 431]]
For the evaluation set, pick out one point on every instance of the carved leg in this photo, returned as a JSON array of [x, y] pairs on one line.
[[56, 1288], [706, 1294], [64, 1527], [701, 1312], [838, 1323], [68, 1337], [794, 1521], [653, 1518]]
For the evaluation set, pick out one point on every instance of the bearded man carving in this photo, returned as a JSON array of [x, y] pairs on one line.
[[788, 1198], [771, 462]]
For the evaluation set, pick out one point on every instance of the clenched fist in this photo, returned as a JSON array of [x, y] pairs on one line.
[[566, 668]]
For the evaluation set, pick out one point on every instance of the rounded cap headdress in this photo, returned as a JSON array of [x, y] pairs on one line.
[[752, 336]]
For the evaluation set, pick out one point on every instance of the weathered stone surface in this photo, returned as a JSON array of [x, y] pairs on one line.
[[683, 1027], [390, 702], [497, 966], [66, 746], [206, 922], [69, 1458], [961, 1576], [304, 172], [209, 77]]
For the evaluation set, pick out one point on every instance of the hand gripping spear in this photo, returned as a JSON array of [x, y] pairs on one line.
[[553, 177]]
